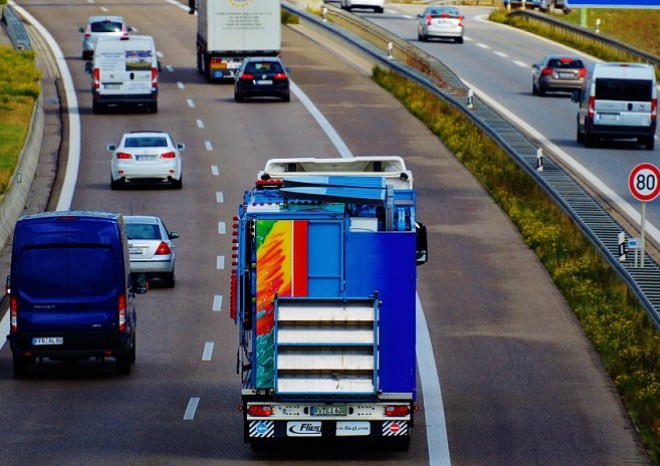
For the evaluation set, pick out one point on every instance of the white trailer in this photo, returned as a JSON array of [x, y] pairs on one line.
[[230, 30]]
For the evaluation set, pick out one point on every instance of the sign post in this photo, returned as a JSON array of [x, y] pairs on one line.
[[644, 184]]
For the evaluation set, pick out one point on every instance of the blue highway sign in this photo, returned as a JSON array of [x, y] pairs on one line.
[[613, 3]]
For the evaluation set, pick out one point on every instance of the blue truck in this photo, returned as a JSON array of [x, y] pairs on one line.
[[323, 292]]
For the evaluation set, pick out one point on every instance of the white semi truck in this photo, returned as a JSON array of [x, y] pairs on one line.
[[230, 30]]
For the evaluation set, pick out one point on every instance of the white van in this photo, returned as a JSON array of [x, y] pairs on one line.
[[125, 72], [618, 101]]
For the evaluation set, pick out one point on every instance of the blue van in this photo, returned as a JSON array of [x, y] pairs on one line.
[[70, 290]]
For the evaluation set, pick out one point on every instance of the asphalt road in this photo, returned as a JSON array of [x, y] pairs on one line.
[[520, 383]]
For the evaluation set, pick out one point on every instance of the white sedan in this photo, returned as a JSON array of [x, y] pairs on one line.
[[146, 157], [442, 22]]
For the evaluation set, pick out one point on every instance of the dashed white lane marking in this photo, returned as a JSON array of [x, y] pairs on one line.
[[222, 228], [191, 409], [219, 197], [200, 124], [220, 262], [208, 145], [208, 351], [217, 302]]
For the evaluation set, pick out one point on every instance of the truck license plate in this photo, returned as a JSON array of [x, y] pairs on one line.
[[329, 410], [40, 341]]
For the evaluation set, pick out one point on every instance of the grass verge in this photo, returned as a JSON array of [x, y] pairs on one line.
[[619, 328], [19, 88]]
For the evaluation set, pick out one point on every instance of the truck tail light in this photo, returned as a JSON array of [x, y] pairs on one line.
[[121, 310], [13, 309], [154, 78], [591, 107], [232, 295], [397, 411], [163, 249], [260, 410], [97, 78], [654, 109]]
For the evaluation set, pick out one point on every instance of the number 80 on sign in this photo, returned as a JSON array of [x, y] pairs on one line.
[[644, 182]]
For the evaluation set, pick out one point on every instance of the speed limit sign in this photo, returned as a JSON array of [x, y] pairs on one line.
[[644, 182]]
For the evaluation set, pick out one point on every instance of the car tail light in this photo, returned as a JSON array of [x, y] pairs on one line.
[[280, 77], [168, 155], [163, 249], [13, 310], [121, 310], [583, 72], [444, 15], [654, 109], [546, 71], [397, 411], [428, 20], [591, 107], [154, 78], [124, 155], [260, 410], [247, 76], [97, 78], [460, 21]]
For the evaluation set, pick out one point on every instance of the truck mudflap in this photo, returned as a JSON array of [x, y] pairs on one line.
[[310, 429]]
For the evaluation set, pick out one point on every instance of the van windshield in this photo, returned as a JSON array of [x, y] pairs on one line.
[[60, 271], [634, 90]]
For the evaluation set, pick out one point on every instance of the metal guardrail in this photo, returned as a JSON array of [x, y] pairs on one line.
[[628, 52], [15, 29], [389, 51]]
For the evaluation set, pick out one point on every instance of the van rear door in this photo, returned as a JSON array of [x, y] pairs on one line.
[[623, 102], [127, 67]]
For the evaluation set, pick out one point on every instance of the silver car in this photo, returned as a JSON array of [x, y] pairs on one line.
[[151, 248], [441, 22], [557, 73], [146, 157], [98, 26]]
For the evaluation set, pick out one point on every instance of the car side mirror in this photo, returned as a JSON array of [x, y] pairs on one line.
[[159, 66], [89, 67], [81, 30], [421, 244], [173, 235], [112, 147], [8, 285], [181, 146], [576, 95]]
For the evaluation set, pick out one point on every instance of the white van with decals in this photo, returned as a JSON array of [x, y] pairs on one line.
[[618, 101], [125, 72]]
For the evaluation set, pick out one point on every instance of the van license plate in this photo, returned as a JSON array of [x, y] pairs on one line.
[[111, 87], [41, 341], [329, 410]]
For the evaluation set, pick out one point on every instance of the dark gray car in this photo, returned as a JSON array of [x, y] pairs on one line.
[[557, 73]]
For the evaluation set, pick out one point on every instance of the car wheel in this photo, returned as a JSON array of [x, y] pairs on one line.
[[124, 363], [96, 108], [650, 143], [378, 10], [153, 107], [237, 97], [535, 91], [423, 38], [134, 352], [20, 365], [114, 184], [589, 140], [579, 136], [169, 280], [177, 184], [286, 98], [459, 40], [541, 91]]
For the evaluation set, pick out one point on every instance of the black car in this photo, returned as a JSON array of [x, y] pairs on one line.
[[261, 77]]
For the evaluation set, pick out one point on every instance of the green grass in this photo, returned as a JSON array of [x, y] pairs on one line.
[[621, 331], [19, 87]]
